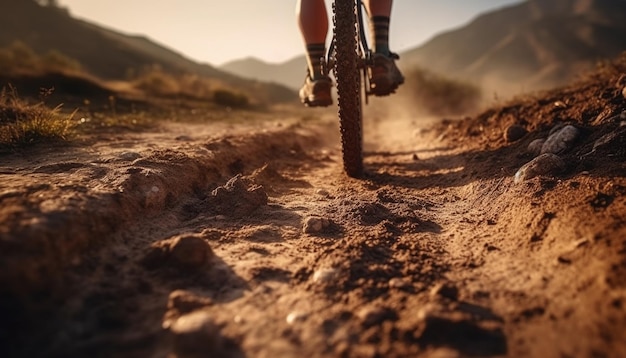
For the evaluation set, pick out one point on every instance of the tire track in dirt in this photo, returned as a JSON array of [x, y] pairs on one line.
[[381, 289], [439, 255], [264, 265], [122, 192]]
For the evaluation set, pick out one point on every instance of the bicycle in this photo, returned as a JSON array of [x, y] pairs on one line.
[[349, 57]]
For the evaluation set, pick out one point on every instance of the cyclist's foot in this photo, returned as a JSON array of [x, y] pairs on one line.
[[385, 77], [316, 92]]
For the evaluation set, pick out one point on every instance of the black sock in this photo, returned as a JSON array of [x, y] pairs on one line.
[[315, 54], [379, 26]]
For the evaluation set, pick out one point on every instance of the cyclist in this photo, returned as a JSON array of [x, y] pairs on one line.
[[384, 75]]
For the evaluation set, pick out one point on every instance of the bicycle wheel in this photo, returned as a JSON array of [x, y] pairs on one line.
[[348, 77]]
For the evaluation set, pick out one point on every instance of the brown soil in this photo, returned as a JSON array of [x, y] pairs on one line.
[[151, 244]]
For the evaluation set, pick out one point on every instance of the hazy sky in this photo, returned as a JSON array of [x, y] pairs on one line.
[[217, 31]]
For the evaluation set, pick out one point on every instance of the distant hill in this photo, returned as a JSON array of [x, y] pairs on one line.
[[531, 45], [290, 73], [103, 52]]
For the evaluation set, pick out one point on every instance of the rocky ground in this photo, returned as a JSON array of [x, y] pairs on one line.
[[503, 234]]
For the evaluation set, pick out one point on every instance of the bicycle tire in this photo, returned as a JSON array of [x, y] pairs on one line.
[[348, 78]]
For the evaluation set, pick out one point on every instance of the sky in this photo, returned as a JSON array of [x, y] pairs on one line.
[[215, 31]]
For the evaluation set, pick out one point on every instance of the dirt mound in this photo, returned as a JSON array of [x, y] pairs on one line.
[[594, 107]]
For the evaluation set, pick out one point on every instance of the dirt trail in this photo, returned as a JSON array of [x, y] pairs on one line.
[[245, 239], [439, 254]]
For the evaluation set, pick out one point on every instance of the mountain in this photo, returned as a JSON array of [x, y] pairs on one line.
[[531, 45], [290, 73], [535, 44], [103, 52]]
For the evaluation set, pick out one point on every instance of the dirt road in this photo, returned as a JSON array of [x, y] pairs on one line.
[[246, 240]]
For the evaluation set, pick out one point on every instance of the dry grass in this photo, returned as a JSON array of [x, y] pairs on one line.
[[23, 124], [155, 81], [18, 57], [229, 98]]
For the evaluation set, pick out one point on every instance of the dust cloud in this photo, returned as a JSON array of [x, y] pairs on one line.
[[395, 122]]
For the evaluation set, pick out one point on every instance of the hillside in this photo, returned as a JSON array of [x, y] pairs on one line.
[[533, 45], [528, 46], [103, 52], [289, 73]]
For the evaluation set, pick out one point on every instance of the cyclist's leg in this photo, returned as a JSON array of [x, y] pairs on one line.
[[380, 12], [313, 23], [385, 77]]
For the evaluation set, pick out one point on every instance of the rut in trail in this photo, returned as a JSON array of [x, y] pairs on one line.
[[269, 250]]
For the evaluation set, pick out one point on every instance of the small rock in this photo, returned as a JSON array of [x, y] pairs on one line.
[[624, 92], [415, 157], [535, 146], [580, 243], [560, 104], [185, 302], [556, 128], [325, 275], [542, 165], [445, 290], [191, 251], [398, 283], [374, 315], [315, 224], [182, 302], [561, 140], [129, 156], [514, 133], [573, 252], [295, 317], [195, 334], [184, 251], [323, 192]]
